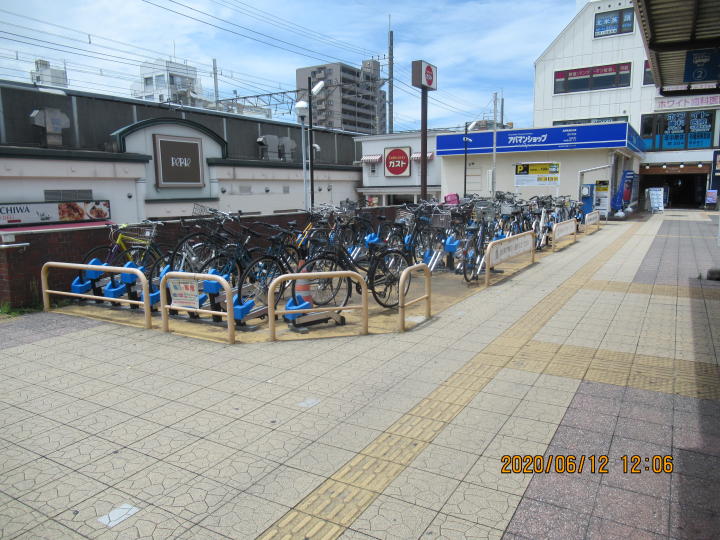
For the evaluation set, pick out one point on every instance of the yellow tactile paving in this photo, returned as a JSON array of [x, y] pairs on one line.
[[356, 484]]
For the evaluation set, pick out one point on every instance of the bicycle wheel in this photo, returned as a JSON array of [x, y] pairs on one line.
[[290, 255], [104, 253], [423, 242], [225, 265], [255, 281], [141, 256], [192, 252], [384, 277], [326, 291], [395, 241]]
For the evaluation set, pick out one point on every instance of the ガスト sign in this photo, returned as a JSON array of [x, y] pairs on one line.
[[397, 161], [178, 161]]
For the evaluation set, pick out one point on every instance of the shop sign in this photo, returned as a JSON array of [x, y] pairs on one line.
[[686, 102], [537, 174], [424, 75], [397, 161], [184, 293], [711, 196], [702, 65], [178, 161], [53, 212]]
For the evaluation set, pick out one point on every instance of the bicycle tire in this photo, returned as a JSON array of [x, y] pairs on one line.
[[384, 277], [327, 290], [225, 265], [192, 252], [257, 277]]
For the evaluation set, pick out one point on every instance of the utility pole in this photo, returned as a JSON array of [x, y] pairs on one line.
[[310, 145], [215, 81], [390, 78], [494, 148]]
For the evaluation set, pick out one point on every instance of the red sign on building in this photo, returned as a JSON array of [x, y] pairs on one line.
[[397, 161]]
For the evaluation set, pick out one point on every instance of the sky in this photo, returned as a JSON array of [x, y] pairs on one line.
[[478, 46]]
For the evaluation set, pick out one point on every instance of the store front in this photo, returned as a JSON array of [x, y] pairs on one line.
[[685, 185]]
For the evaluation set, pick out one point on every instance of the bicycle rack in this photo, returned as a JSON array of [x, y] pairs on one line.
[[94, 272], [404, 277], [513, 246], [323, 311]]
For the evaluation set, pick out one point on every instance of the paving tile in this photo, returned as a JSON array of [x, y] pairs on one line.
[[320, 459], [31, 476], [61, 494], [600, 404], [16, 517], [118, 465], [85, 451], [632, 509], [277, 446], [170, 413], [308, 426], [582, 441], [422, 488], [646, 413], [240, 470], [532, 430], [200, 455], [509, 389], [487, 472], [692, 463], [130, 431], [451, 528], [196, 499], [155, 481], [390, 518], [444, 461], [564, 490], [48, 530], [535, 519], [603, 529], [584, 419], [695, 491], [644, 431], [350, 437], [691, 523], [246, 516], [30, 427], [464, 439], [696, 441], [13, 456], [494, 403], [481, 505], [646, 481], [285, 485]]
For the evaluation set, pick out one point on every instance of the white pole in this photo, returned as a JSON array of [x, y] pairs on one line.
[[304, 163], [494, 149]]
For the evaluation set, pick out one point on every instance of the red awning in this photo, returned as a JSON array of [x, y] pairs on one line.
[[371, 158], [416, 155]]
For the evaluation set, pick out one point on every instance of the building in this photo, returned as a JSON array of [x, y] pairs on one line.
[[352, 99], [46, 75], [597, 71], [166, 81], [153, 160]]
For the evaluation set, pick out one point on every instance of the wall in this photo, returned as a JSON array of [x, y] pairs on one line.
[[571, 162], [24, 180], [20, 268], [576, 47]]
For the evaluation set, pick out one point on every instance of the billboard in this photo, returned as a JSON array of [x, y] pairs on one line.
[[178, 161], [537, 174], [397, 161], [34, 213], [424, 75]]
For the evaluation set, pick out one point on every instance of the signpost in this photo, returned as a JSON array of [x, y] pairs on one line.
[[424, 77]]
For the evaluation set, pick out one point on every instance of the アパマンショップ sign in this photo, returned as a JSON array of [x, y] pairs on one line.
[[397, 161]]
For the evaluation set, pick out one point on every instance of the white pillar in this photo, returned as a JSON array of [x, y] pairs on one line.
[[140, 188]]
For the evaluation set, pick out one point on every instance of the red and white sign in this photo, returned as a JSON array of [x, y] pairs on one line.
[[424, 75], [397, 161]]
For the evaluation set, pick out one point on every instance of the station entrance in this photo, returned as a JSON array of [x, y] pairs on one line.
[[686, 190]]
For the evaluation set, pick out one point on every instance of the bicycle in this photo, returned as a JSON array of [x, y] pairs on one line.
[[130, 243]]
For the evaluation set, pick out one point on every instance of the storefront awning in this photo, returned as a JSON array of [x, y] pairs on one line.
[[371, 158], [416, 155]]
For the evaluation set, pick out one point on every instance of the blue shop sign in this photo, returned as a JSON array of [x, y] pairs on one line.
[[614, 135], [702, 65]]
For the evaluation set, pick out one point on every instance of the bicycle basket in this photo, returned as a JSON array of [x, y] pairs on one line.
[[403, 216], [507, 209], [440, 221], [140, 231], [201, 210]]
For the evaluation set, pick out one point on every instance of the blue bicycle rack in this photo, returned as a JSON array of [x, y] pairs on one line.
[[88, 279], [298, 302]]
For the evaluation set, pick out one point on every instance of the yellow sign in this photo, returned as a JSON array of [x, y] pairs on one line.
[[537, 174]]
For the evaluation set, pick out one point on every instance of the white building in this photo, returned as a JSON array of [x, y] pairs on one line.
[[596, 71], [47, 75], [167, 81], [381, 185]]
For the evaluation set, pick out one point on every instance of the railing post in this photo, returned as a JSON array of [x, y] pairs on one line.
[[488, 254], [532, 248], [44, 287], [163, 304]]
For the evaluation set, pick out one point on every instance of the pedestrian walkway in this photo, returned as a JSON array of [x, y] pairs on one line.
[[605, 350]]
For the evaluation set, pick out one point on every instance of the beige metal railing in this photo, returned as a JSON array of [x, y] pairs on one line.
[[165, 308], [516, 245], [427, 296], [594, 219], [273, 312], [145, 302], [563, 229]]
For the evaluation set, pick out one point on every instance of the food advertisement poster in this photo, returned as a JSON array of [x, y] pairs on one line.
[[33, 213], [537, 174]]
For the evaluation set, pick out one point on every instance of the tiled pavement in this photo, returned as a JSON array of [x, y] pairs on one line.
[[608, 348]]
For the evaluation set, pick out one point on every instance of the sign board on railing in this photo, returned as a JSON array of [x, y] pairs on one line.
[[512, 247], [184, 293], [592, 219], [563, 229]]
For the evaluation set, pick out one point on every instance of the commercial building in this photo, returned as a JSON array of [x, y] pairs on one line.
[[47, 75], [167, 81], [352, 99], [151, 160], [597, 70]]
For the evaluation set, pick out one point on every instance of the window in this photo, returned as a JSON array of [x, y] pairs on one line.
[[373, 169], [610, 23], [678, 130], [148, 83], [286, 189], [593, 78], [59, 195], [159, 81], [647, 75], [602, 120]]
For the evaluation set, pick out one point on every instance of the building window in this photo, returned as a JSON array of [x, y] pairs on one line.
[[601, 120], [593, 78], [373, 169], [611, 23], [159, 81], [647, 74], [679, 130], [286, 189], [148, 83]]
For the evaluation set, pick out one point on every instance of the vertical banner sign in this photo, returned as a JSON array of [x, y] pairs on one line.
[[397, 161], [537, 174]]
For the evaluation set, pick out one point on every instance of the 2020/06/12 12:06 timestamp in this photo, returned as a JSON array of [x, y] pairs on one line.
[[595, 464]]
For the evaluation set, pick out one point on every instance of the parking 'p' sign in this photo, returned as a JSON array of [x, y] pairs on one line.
[[397, 161]]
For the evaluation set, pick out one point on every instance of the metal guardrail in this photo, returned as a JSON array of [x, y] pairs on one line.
[[15, 246], [513, 246], [563, 229], [165, 307], [145, 302], [273, 312], [592, 218], [427, 296]]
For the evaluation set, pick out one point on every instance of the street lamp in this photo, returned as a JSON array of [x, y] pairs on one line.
[[312, 91], [301, 109], [469, 126]]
